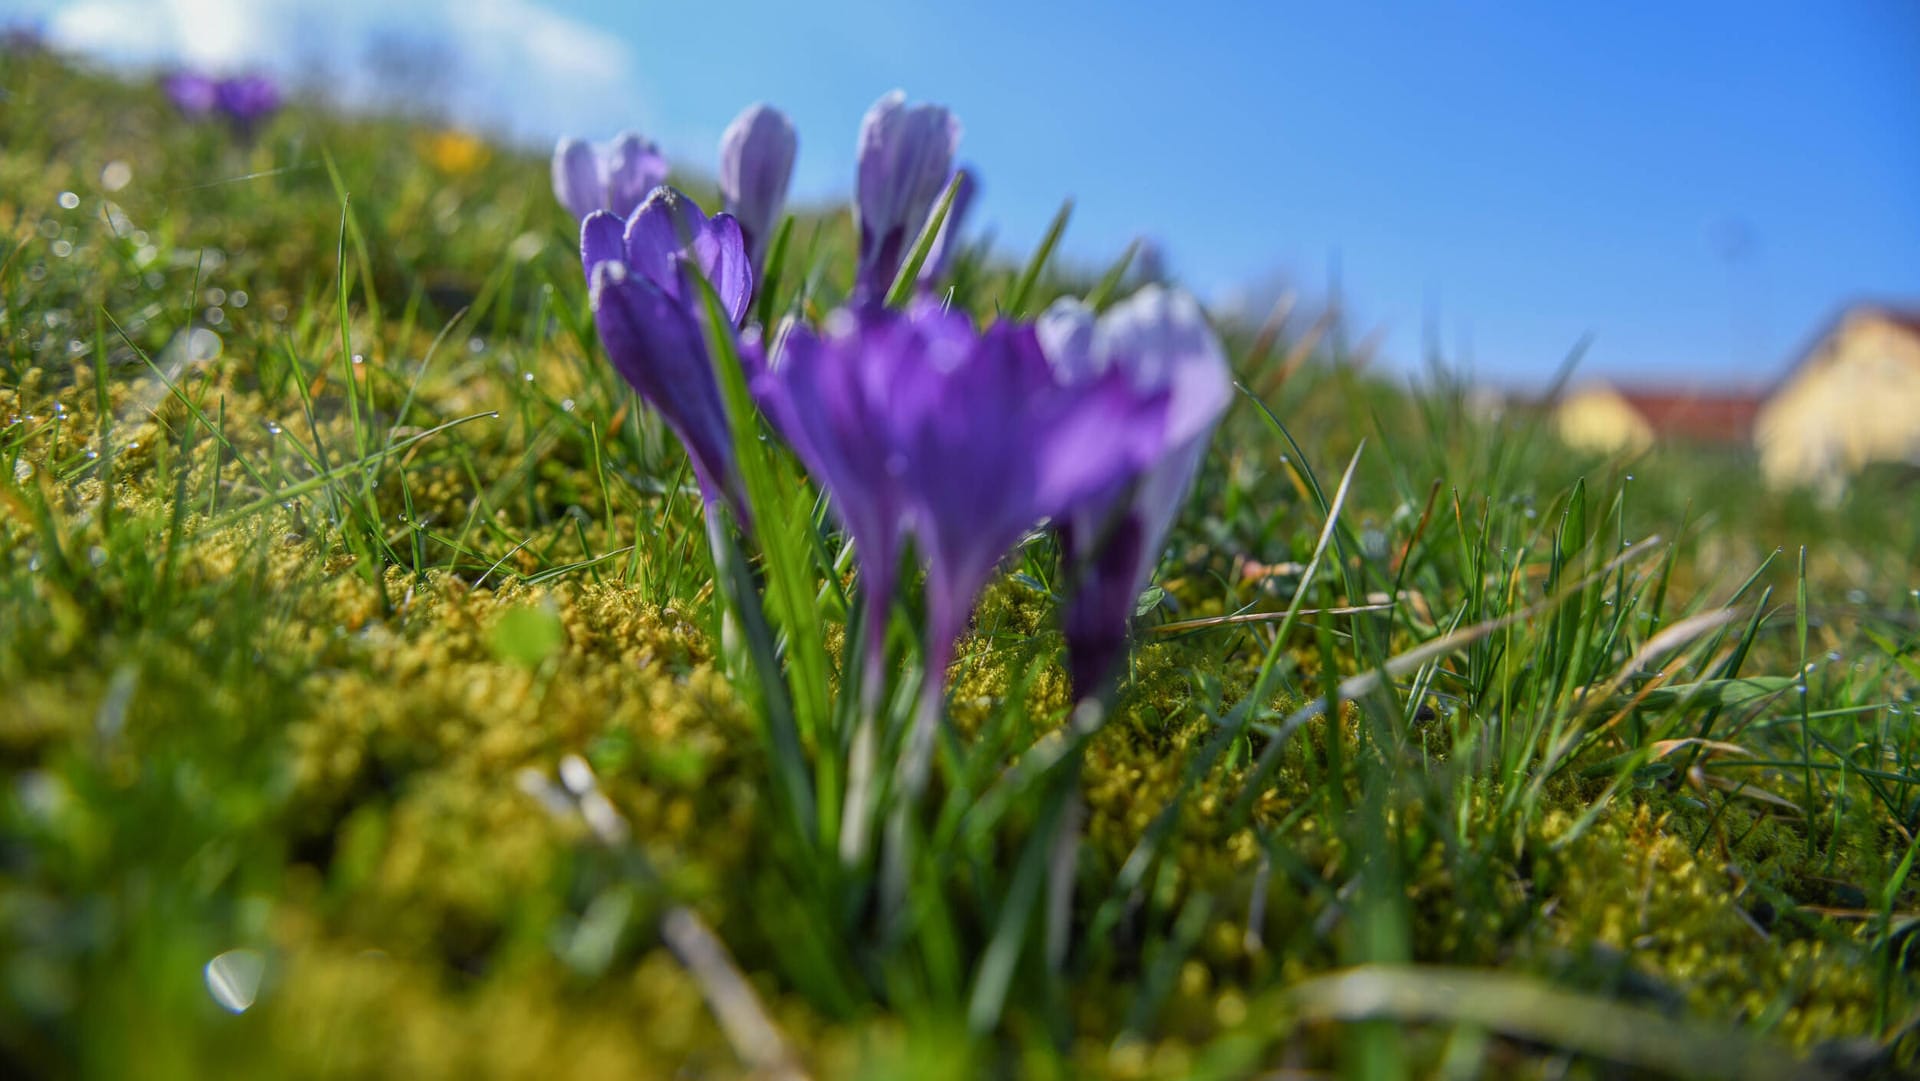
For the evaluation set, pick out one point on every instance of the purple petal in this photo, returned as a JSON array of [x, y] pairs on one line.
[[756, 165], [634, 167], [1163, 339], [1156, 341], [602, 239], [577, 179], [721, 252], [665, 226], [906, 157], [655, 344]]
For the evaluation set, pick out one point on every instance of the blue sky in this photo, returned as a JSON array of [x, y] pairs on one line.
[[1698, 185]]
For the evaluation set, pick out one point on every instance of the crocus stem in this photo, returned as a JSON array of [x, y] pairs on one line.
[[856, 814], [916, 762], [1087, 718]]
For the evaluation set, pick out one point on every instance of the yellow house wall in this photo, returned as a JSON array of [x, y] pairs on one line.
[[1856, 401], [1598, 419]]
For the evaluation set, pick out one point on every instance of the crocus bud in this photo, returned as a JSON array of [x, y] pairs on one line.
[[668, 235], [650, 317], [756, 165], [1159, 339], [906, 158], [614, 177], [656, 345]]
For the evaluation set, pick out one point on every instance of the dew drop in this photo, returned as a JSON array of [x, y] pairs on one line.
[[233, 978], [116, 175], [69, 200]]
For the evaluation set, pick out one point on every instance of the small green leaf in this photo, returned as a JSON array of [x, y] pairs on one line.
[[1148, 601]]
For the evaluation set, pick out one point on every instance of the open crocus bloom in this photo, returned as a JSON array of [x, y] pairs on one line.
[[916, 423], [613, 177], [843, 396], [1160, 340], [756, 165], [906, 159], [645, 304]]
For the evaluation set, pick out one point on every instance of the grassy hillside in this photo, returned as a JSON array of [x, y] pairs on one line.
[[327, 534]]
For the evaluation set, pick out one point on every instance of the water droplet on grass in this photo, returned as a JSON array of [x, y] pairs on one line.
[[69, 200], [233, 978], [116, 175]]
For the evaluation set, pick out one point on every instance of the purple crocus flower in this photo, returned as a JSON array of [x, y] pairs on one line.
[[946, 241], [915, 423], [906, 158], [667, 231], [646, 306], [247, 100], [843, 397], [756, 164], [1159, 340], [1001, 443], [613, 176], [195, 95]]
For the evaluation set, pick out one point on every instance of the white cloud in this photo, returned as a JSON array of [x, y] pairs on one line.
[[515, 64]]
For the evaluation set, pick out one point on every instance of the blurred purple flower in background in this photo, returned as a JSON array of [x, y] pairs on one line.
[[947, 240], [613, 176], [192, 93], [906, 159], [647, 308], [1159, 340], [756, 165], [247, 100]]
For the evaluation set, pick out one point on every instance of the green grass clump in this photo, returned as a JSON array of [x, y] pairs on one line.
[[304, 599]]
